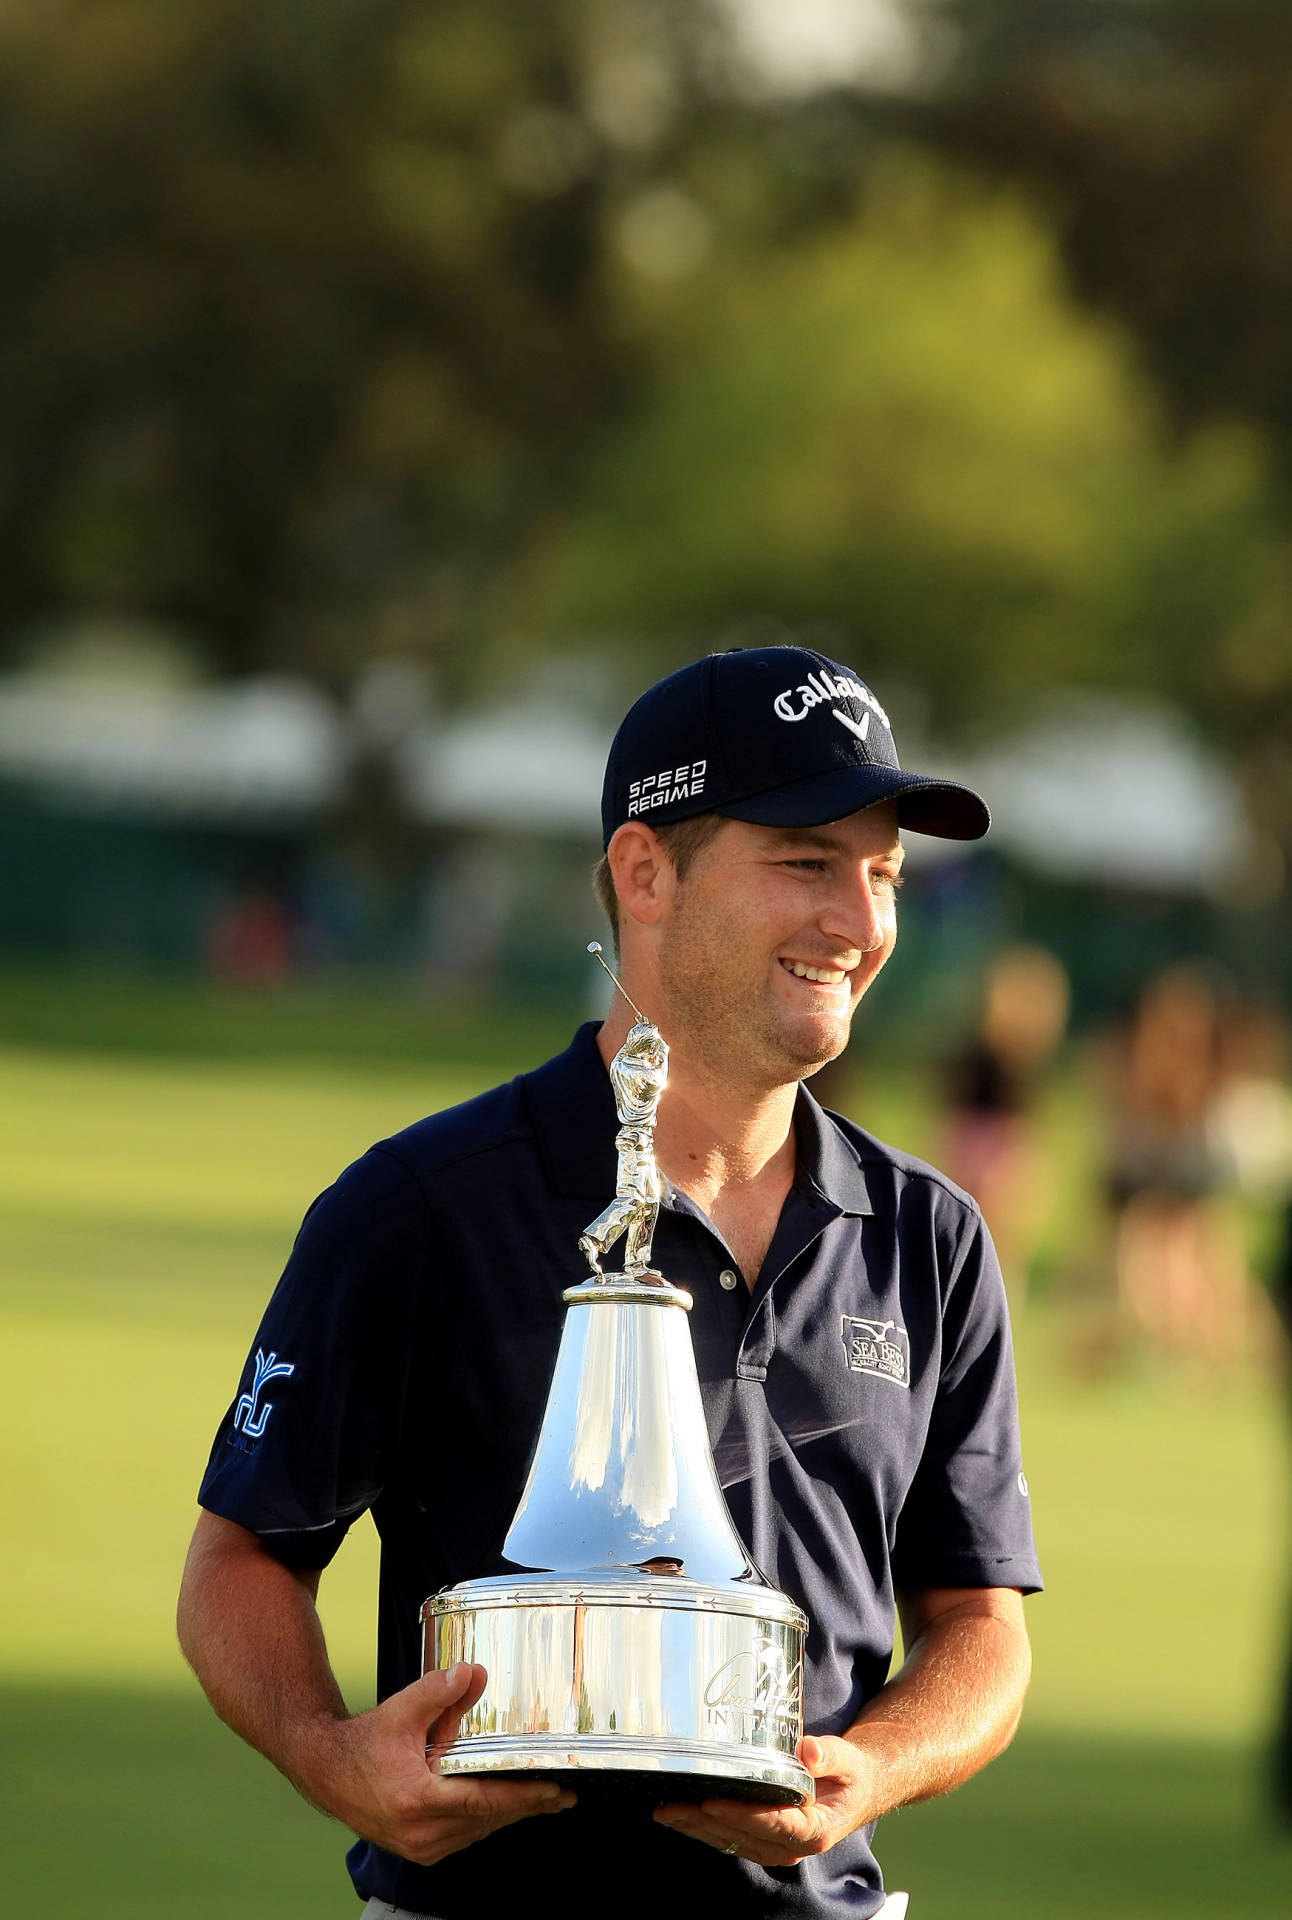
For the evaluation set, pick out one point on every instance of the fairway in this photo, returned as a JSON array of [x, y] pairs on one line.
[[146, 1208]]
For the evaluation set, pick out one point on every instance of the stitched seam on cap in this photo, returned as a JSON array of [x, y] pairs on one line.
[[716, 734]]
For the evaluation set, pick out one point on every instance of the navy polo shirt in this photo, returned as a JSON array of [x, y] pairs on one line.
[[860, 1404]]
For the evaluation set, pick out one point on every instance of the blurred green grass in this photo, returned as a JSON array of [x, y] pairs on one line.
[[147, 1200]]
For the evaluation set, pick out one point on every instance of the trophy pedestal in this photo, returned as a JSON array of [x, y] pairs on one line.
[[628, 1686]]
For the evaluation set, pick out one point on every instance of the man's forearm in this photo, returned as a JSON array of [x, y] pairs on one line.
[[249, 1628], [952, 1707]]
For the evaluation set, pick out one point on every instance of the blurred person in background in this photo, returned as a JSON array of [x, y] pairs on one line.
[[992, 1084], [1255, 1121], [1281, 1757], [1253, 1109], [249, 941], [1281, 1770], [1178, 1268]]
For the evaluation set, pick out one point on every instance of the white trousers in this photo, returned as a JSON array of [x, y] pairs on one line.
[[894, 1908]]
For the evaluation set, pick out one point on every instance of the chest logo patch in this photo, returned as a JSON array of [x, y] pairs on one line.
[[880, 1347]]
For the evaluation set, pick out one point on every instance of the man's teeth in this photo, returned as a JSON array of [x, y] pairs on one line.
[[828, 976]]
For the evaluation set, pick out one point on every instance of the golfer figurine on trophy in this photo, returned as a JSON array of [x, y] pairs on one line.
[[638, 1074]]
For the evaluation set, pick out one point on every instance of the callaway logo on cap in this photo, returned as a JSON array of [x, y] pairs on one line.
[[780, 736]]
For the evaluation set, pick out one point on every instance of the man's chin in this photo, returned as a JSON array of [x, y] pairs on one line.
[[805, 1072], [818, 1046]]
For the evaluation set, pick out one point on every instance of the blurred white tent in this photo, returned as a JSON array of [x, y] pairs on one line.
[[1102, 789], [261, 746], [526, 768], [1090, 789]]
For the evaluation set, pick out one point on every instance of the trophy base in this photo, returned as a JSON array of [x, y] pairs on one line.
[[611, 1772], [622, 1685]]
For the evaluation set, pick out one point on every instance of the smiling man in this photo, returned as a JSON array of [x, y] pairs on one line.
[[849, 1325]]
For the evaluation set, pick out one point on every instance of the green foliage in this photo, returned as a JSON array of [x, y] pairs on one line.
[[359, 329], [279, 335], [1158, 137], [466, 331], [1155, 141], [901, 433]]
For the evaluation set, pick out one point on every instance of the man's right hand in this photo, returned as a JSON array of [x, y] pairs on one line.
[[249, 1626], [380, 1773]]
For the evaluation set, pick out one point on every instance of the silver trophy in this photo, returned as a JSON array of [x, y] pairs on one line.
[[635, 1645]]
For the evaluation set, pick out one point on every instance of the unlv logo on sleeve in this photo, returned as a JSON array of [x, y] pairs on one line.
[[250, 1416], [877, 1346]]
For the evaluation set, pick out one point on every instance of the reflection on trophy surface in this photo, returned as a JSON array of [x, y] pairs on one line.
[[632, 1640]]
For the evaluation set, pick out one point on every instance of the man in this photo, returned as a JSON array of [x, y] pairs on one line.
[[849, 1325]]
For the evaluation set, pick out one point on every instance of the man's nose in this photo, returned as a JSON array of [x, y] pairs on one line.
[[859, 916]]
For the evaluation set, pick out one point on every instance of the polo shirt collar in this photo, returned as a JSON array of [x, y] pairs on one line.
[[572, 1106], [573, 1110], [828, 1164]]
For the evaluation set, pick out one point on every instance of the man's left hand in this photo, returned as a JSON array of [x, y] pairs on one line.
[[842, 1779]]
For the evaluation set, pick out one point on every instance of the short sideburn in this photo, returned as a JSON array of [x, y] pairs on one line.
[[681, 840]]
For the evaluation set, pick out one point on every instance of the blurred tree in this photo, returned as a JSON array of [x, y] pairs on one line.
[[341, 329], [1158, 140], [300, 315], [900, 434], [1161, 140]]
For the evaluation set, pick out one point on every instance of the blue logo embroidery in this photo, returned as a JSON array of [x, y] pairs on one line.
[[245, 1416]]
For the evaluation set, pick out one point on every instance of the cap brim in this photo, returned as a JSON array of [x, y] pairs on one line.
[[940, 807]]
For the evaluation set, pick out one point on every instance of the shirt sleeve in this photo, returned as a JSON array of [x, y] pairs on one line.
[[966, 1521], [312, 1434]]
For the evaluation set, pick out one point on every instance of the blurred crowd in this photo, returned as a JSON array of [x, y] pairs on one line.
[[1199, 1119], [1190, 1173], [1189, 1169]]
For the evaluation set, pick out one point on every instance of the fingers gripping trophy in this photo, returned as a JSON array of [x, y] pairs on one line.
[[631, 1645]]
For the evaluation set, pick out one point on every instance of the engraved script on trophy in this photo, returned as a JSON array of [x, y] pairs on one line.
[[756, 1696], [638, 1074]]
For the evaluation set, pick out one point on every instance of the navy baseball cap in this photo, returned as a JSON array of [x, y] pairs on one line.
[[780, 736]]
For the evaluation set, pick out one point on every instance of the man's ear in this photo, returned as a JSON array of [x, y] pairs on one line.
[[643, 874]]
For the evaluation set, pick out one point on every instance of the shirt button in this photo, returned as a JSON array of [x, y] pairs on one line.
[[728, 1279]]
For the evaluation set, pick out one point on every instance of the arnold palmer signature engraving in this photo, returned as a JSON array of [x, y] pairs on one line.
[[756, 1695]]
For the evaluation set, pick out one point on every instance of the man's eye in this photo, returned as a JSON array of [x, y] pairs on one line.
[[893, 880], [812, 866]]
